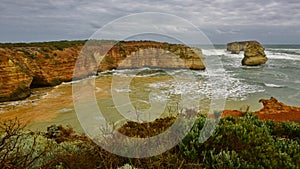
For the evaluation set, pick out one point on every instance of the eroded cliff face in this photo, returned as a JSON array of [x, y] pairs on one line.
[[275, 110], [272, 110], [152, 54], [22, 67], [14, 82]]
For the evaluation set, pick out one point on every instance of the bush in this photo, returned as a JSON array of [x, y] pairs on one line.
[[19, 149], [243, 142]]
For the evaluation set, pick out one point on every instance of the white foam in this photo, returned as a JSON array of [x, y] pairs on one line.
[[123, 90], [214, 52], [221, 52], [273, 55], [274, 85], [231, 87], [281, 50]]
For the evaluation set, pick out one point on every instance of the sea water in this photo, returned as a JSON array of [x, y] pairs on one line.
[[242, 87]]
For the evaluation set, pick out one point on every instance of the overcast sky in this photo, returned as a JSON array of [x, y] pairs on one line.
[[268, 21]]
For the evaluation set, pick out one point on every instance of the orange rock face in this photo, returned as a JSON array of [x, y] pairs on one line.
[[152, 54], [14, 83], [272, 110], [278, 111], [235, 113], [36, 65]]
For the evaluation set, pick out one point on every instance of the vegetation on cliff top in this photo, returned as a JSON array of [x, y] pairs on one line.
[[68, 43], [243, 142], [56, 44]]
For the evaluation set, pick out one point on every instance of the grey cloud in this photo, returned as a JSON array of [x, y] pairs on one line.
[[76, 18]]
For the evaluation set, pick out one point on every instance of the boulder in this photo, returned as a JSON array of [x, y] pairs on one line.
[[254, 54]]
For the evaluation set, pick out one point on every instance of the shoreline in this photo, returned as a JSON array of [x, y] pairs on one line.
[[36, 121]]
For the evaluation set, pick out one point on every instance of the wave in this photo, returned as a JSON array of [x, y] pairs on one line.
[[214, 52], [285, 50], [232, 88], [288, 54], [285, 56], [221, 52], [123, 90], [274, 85]]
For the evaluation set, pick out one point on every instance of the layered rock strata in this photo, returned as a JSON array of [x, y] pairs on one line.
[[237, 47], [254, 54], [272, 110], [48, 64]]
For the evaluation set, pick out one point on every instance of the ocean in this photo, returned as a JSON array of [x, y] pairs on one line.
[[279, 77], [241, 86]]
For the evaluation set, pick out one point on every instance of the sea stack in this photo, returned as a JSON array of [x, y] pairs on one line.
[[237, 47], [254, 54]]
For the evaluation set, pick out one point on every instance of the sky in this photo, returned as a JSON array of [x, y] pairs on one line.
[[222, 21]]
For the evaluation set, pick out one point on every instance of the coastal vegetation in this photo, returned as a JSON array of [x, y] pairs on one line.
[[46, 46], [237, 142]]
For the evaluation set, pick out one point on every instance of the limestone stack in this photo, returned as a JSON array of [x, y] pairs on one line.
[[254, 54], [237, 47]]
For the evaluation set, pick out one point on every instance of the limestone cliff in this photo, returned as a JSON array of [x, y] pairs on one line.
[[152, 54], [14, 82], [49, 63]]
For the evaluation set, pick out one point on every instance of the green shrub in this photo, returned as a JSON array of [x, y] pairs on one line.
[[20, 149], [243, 142]]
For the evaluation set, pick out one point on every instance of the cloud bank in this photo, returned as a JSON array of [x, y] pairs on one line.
[[270, 21]]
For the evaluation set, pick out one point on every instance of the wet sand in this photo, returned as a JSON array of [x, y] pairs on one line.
[[55, 105]]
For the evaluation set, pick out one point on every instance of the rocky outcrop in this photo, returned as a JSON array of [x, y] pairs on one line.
[[272, 110], [254, 54], [237, 47], [47, 64], [14, 83], [275, 110]]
